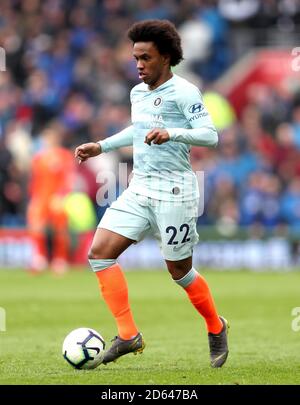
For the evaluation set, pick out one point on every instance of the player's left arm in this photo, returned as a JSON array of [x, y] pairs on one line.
[[157, 136], [202, 131]]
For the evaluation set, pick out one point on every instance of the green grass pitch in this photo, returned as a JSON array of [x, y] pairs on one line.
[[41, 311]]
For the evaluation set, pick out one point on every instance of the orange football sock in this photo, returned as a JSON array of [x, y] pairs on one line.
[[200, 296], [114, 290], [39, 241], [61, 245]]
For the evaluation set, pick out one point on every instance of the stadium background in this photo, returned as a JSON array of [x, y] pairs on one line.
[[68, 64]]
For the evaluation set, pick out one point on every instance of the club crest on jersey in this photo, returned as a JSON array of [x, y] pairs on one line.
[[196, 108], [157, 102]]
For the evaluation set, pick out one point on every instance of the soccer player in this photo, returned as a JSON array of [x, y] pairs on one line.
[[52, 176], [168, 116]]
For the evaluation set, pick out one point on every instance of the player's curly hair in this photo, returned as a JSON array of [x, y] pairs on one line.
[[162, 33]]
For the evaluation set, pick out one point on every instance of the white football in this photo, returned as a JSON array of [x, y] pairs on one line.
[[83, 348]]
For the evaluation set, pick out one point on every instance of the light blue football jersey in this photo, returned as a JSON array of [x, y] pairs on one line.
[[164, 172]]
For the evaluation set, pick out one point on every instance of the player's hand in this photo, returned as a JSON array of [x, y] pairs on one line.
[[157, 136], [87, 150]]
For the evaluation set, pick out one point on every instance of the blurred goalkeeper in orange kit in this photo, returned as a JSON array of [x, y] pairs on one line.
[[52, 173]]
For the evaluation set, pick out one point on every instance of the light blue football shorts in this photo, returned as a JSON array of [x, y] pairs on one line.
[[173, 224]]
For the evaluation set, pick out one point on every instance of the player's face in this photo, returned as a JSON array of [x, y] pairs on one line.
[[153, 67]]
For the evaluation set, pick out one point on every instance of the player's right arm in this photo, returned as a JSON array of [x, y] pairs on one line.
[[91, 149], [87, 150], [123, 138]]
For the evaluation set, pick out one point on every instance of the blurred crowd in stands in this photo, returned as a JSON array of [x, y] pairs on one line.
[[69, 68]]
